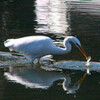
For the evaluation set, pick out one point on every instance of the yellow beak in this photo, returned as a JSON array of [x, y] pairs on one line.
[[83, 52]]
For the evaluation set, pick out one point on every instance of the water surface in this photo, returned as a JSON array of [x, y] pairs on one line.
[[56, 19]]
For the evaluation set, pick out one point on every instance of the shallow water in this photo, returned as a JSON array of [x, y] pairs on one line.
[[59, 77]]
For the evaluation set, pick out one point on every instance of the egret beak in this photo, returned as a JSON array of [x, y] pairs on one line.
[[83, 52], [83, 77]]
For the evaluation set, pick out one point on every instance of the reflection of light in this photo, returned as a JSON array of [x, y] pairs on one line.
[[51, 16], [42, 14], [91, 7], [58, 12]]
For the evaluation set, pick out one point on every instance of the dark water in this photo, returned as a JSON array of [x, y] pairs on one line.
[[19, 80]]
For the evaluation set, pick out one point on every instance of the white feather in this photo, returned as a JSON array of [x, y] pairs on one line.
[[38, 46]]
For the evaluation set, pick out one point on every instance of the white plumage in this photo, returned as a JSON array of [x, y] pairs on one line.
[[38, 46]]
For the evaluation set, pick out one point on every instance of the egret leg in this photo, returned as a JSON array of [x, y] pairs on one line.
[[11, 53], [33, 64], [33, 60], [38, 60]]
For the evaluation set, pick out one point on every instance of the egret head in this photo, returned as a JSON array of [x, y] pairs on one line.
[[77, 43]]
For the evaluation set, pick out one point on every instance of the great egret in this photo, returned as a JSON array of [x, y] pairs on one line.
[[39, 46]]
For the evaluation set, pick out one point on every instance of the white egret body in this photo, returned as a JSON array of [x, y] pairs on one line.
[[38, 46]]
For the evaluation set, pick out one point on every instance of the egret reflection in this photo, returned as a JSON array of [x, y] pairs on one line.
[[44, 76], [40, 78], [34, 77], [72, 88]]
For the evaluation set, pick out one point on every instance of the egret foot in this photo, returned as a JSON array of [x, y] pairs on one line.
[[37, 63]]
